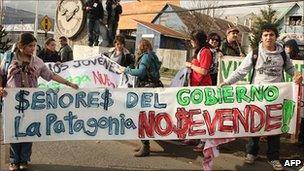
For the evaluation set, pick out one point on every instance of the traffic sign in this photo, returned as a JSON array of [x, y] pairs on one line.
[[46, 23]]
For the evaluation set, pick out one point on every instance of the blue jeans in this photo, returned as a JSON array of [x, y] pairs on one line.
[[273, 151], [301, 135], [94, 30], [20, 152]]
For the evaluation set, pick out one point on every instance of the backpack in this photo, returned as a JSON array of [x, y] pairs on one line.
[[5, 63], [213, 67], [254, 58]]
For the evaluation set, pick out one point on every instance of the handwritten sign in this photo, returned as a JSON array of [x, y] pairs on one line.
[[99, 71], [180, 78], [229, 64], [149, 113]]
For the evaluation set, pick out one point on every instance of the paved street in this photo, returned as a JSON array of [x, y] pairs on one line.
[[118, 155]]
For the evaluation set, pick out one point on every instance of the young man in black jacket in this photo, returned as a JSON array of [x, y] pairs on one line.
[[95, 14], [114, 10]]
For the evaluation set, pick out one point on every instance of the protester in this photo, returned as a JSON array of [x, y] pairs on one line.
[[269, 72], [230, 46], [65, 52], [114, 10], [95, 14], [147, 73], [200, 65], [49, 53], [24, 71], [215, 43], [120, 54], [292, 48]]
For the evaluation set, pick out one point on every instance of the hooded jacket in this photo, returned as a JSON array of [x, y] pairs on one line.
[[148, 64], [268, 68]]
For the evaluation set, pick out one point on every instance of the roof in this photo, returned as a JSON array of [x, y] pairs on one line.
[[163, 30], [192, 19], [127, 22], [283, 12]]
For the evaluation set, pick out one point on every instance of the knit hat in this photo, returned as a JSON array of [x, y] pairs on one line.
[[232, 29]]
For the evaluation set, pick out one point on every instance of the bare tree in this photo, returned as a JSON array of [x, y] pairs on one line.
[[205, 4], [203, 20]]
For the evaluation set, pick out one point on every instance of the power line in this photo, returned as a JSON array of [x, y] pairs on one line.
[[220, 7]]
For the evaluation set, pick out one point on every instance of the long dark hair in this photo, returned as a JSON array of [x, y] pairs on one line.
[[293, 45], [201, 39], [213, 36], [25, 39]]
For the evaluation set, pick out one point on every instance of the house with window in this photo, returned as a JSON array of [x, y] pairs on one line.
[[291, 24], [169, 32], [180, 22]]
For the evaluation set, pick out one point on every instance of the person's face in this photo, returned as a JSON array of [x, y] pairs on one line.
[[62, 42], [268, 39], [232, 36], [28, 50], [288, 49], [214, 42], [194, 43], [51, 46], [119, 46]]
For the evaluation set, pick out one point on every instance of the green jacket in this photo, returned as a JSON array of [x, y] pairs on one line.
[[231, 50], [66, 53]]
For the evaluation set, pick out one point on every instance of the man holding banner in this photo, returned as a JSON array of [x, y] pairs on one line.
[[268, 65]]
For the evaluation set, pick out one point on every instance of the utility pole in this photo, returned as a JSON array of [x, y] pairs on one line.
[[36, 19], [36, 24], [303, 17], [1, 6]]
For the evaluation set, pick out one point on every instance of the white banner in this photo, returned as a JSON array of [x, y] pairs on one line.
[[228, 64], [180, 78], [99, 71], [149, 113]]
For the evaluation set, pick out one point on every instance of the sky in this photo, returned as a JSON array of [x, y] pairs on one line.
[[48, 7]]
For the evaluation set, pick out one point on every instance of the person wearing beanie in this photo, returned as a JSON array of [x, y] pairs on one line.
[[230, 46]]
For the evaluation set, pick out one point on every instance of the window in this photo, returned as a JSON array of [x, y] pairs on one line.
[[295, 20]]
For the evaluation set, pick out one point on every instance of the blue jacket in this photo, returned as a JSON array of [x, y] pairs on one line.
[[149, 64]]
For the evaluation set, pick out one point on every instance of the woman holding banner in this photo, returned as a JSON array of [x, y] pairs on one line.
[[200, 65], [147, 73], [23, 71], [292, 48], [120, 54]]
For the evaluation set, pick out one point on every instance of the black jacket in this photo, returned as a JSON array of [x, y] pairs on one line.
[[118, 11], [96, 12], [127, 58], [48, 56]]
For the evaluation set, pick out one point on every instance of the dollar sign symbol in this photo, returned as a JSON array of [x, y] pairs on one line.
[[107, 100], [23, 103]]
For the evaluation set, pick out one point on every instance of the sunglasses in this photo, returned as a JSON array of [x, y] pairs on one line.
[[215, 39]]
